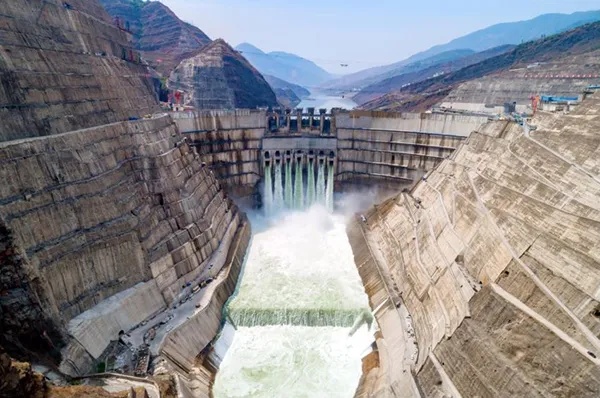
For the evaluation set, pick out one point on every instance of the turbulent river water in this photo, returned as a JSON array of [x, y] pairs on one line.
[[302, 316]]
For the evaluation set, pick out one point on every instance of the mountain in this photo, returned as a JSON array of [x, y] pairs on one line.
[[162, 38], [516, 32], [218, 77], [288, 94], [367, 77], [484, 39], [560, 54], [285, 66], [443, 67]]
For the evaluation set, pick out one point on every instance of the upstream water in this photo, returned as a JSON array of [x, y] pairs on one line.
[[302, 316]]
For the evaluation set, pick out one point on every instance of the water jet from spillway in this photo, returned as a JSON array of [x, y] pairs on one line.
[[284, 186]]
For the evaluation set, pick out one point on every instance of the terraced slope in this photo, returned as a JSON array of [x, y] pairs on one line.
[[490, 267], [64, 69], [163, 39], [218, 77]]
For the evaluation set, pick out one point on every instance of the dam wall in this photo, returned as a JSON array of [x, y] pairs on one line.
[[492, 257], [397, 148], [228, 141], [370, 147], [125, 209], [65, 69]]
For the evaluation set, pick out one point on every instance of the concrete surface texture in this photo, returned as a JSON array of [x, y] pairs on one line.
[[494, 257], [66, 68], [372, 147]]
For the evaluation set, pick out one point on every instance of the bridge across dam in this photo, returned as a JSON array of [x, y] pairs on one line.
[[382, 148]]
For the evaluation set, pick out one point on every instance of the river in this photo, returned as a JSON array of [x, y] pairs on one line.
[[298, 303]]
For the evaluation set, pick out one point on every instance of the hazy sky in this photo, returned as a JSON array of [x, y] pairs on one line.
[[360, 33]]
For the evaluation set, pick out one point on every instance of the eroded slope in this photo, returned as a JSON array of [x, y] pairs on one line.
[[64, 68], [495, 257]]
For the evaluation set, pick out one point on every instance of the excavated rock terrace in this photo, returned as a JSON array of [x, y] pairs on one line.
[[495, 258]]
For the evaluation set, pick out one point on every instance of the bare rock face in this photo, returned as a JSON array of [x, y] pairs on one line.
[[218, 77], [490, 266], [100, 227], [17, 379], [163, 39], [66, 67]]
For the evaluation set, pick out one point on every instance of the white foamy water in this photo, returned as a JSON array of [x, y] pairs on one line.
[[299, 295]]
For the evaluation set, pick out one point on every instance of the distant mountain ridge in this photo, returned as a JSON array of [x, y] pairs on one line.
[[422, 95], [285, 66], [288, 94], [443, 67], [484, 39]]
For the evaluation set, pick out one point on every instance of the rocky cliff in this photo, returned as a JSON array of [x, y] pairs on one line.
[[218, 77], [64, 68], [100, 227], [163, 39], [485, 276]]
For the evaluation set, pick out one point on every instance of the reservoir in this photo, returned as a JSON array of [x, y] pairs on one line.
[[319, 100]]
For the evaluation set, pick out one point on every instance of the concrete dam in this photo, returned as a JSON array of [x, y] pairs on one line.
[[363, 148], [126, 259]]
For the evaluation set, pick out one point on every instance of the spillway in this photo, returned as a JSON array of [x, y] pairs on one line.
[[295, 307], [284, 186]]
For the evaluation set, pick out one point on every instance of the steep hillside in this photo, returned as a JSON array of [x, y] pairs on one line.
[[564, 50], [444, 67], [104, 221], [488, 38], [218, 77], [288, 94], [489, 266], [163, 38], [55, 78], [285, 66], [363, 79]]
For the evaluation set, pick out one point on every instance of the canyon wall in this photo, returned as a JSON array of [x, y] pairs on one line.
[[494, 257], [110, 223], [103, 222], [66, 68]]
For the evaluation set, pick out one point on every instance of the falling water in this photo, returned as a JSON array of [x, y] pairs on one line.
[[299, 188], [268, 189], [288, 188], [321, 184], [279, 203], [329, 191], [310, 189]]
